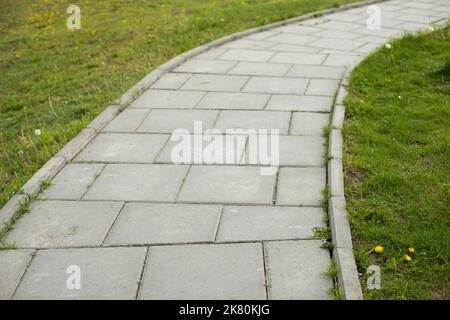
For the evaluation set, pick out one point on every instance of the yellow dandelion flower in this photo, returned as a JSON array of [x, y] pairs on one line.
[[411, 250], [222, 19], [407, 258], [379, 249], [258, 17]]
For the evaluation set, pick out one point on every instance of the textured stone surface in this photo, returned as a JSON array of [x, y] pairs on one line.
[[300, 103], [225, 100], [11, 208], [253, 120], [225, 271], [276, 85], [106, 273], [13, 264], [307, 123], [168, 99]]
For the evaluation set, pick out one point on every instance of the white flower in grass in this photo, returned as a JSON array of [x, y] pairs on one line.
[[400, 97], [37, 132], [431, 28], [388, 46]]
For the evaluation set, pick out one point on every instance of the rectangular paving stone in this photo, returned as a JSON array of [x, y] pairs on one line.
[[13, 264], [205, 66], [247, 44], [260, 69], [137, 182], [345, 17], [244, 223], [166, 121], [383, 32], [301, 186], [342, 60], [340, 26], [253, 120], [157, 223], [246, 55], [276, 85], [128, 147], [127, 121], [72, 181], [225, 271], [262, 35], [53, 224], [227, 184], [308, 71], [232, 148], [300, 103], [299, 58], [309, 123], [372, 39], [298, 29], [106, 273], [294, 48], [290, 38], [295, 270], [171, 81], [210, 54], [336, 34], [168, 99], [322, 87], [219, 83], [234, 100], [337, 44]]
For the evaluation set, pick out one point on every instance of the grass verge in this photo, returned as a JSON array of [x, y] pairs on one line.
[[396, 163]]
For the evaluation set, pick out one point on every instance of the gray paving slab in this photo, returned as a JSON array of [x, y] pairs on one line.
[[234, 100], [166, 121], [72, 181], [276, 85], [253, 120], [343, 60], [205, 66], [247, 44], [127, 121], [13, 264], [52, 224], [245, 223], [300, 103], [309, 123], [129, 147], [308, 71], [260, 69], [221, 83], [301, 186], [137, 182], [171, 81], [338, 44], [294, 48], [322, 87], [225, 271], [290, 38], [246, 55], [227, 184], [168, 99], [157, 223], [105, 273], [299, 58], [295, 270]]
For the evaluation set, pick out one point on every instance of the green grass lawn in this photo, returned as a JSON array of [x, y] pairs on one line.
[[397, 173], [56, 80]]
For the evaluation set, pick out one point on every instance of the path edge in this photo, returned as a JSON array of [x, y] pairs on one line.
[[348, 276]]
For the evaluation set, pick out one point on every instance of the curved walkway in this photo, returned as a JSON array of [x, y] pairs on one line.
[[136, 225]]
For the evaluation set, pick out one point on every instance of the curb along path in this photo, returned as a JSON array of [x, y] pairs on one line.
[[138, 226]]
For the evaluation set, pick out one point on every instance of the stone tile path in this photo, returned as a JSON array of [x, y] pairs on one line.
[[140, 227]]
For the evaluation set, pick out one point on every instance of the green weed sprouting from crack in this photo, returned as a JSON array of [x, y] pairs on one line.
[[333, 273], [8, 226]]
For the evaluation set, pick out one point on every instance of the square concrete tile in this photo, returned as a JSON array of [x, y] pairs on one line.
[[137, 182], [336, 34], [246, 55], [157, 223], [127, 121], [299, 58], [129, 147], [276, 85], [235, 100], [227, 184], [301, 186], [343, 60], [53, 224], [215, 149], [105, 273], [323, 87], [244, 223], [295, 270], [168, 99], [225, 271], [221, 83], [13, 264], [337, 44], [260, 69], [302, 151], [205, 66], [166, 121], [72, 181], [253, 120], [309, 123], [300, 103], [171, 81], [307, 71], [290, 38]]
